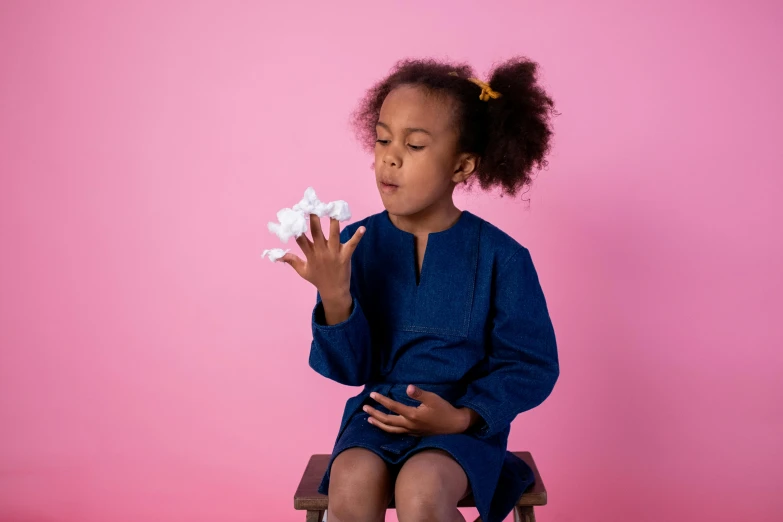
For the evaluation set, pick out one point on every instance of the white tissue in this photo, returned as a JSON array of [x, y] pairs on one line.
[[340, 210], [274, 253], [293, 221], [310, 204]]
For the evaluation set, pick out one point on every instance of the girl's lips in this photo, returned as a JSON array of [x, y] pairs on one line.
[[388, 188]]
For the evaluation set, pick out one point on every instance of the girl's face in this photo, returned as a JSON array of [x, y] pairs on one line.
[[417, 164]]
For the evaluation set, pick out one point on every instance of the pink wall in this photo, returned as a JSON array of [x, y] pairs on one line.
[[154, 368]]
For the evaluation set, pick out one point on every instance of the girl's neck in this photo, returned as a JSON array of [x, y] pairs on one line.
[[434, 218]]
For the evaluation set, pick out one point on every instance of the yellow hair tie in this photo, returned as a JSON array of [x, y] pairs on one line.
[[486, 90]]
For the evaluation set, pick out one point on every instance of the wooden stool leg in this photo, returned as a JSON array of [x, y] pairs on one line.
[[315, 516], [524, 514]]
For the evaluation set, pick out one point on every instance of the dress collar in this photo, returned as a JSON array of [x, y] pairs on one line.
[[463, 220]]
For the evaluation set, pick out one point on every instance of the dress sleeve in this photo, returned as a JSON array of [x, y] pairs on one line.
[[522, 355], [342, 352]]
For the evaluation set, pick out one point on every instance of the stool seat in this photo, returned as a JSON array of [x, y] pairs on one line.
[[308, 499]]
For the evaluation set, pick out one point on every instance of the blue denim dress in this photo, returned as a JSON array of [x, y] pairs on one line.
[[474, 328]]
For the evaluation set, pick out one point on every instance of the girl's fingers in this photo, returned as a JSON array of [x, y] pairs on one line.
[[392, 405], [334, 234], [351, 244], [295, 262], [315, 227], [387, 427], [423, 396], [390, 420], [306, 245]]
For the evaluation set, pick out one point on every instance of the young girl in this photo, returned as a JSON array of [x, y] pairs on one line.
[[435, 311]]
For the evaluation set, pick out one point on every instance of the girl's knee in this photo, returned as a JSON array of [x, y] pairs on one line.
[[428, 488], [419, 506], [359, 487], [424, 500]]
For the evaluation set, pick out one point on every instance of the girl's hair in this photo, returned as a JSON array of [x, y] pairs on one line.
[[510, 134]]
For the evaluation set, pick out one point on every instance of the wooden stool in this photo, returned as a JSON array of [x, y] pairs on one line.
[[308, 499]]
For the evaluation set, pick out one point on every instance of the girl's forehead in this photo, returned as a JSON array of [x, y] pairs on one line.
[[409, 106]]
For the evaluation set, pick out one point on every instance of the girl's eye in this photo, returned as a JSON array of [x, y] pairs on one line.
[[386, 142]]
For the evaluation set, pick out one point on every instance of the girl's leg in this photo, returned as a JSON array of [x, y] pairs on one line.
[[429, 486], [360, 487]]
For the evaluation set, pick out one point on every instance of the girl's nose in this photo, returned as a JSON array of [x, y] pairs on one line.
[[391, 161]]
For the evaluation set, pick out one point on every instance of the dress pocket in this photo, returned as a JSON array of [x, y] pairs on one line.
[[443, 300], [442, 307]]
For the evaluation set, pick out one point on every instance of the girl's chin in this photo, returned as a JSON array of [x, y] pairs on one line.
[[396, 209], [391, 206]]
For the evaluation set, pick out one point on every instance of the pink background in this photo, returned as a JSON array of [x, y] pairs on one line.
[[154, 368]]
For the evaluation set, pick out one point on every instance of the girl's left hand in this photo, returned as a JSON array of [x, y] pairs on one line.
[[434, 416]]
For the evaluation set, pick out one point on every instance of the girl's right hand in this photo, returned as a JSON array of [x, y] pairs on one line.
[[328, 265]]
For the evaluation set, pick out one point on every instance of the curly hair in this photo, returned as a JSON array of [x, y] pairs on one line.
[[510, 134]]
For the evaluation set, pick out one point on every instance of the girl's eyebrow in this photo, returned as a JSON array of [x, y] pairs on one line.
[[408, 130]]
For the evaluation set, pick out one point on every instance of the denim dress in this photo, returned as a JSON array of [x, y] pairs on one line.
[[473, 328]]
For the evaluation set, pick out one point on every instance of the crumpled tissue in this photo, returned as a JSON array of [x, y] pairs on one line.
[[293, 221]]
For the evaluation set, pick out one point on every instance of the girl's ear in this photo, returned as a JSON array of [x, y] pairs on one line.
[[467, 163]]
